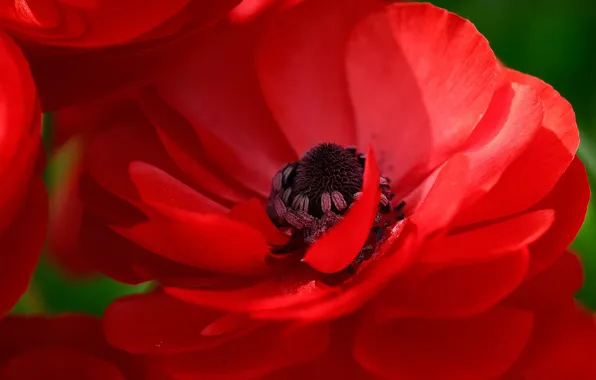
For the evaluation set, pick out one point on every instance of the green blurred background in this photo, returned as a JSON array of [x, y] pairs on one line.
[[553, 40]]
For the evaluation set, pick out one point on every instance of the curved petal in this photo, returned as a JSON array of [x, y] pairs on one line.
[[158, 324], [22, 243], [128, 137], [452, 291], [300, 63], [511, 122], [441, 202], [401, 62], [210, 242], [189, 152], [76, 23], [337, 362], [119, 258], [538, 292], [20, 128], [562, 346], [569, 198], [336, 250], [479, 347], [540, 165], [156, 186], [65, 75], [218, 74], [488, 242], [306, 299]]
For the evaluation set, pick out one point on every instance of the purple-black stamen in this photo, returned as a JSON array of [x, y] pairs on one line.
[[310, 196]]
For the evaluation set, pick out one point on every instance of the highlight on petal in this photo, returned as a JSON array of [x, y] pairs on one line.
[[442, 201], [335, 250], [156, 186], [511, 122], [20, 129], [217, 75], [210, 242], [317, 110], [542, 162], [488, 242], [401, 62]]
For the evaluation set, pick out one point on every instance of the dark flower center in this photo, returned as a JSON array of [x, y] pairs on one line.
[[310, 196]]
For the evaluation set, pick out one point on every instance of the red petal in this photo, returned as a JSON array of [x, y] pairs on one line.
[[337, 249], [480, 347], [189, 152], [20, 129], [221, 72], [22, 243], [442, 201], [268, 349], [158, 324], [453, 291], [66, 76], [156, 186], [337, 362], [247, 9], [539, 292], [569, 199], [268, 295], [488, 242], [58, 363], [76, 24], [510, 124], [284, 299], [125, 261], [253, 213], [210, 242], [306, 41], [563, 346], [123, 126], [401, 63], [536, 171]]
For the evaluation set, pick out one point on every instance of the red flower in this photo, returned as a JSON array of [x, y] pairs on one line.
[[23, 202], [65, 348], [183, 182], [79, 48]]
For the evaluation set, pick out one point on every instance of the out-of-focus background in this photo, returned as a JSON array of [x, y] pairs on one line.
[[552, 39]]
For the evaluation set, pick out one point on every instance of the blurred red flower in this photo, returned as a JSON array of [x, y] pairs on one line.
[[23, 202], [80, 49], [430, 256], [67, 348]]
